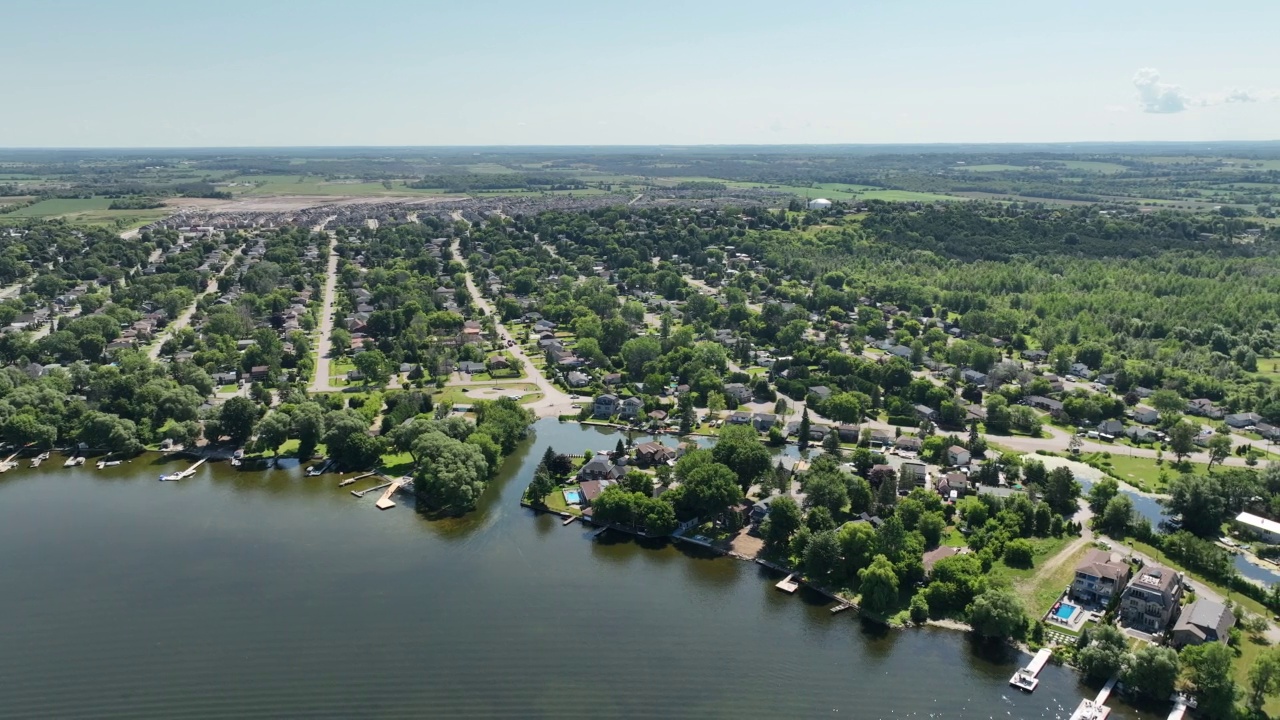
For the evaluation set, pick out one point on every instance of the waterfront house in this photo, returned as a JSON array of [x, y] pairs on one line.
[[1203, 621], [760, 510], [605, 406], [600, 467], [1151, 600], [1099, 576], [740, 417], [629, 408], [1252, 525], [936, 554], [654, 453], [764, 421], [848, 433]]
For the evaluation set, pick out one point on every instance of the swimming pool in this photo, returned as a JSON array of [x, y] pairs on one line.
[[573, 497], [1065, 611]]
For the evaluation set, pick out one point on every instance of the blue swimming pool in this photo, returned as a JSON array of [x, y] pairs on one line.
[[1065, 611], [573, 497]]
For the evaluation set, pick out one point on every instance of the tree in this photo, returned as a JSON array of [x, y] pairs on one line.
[[827, 490], [638, 352], [860, 495], [308, 427], [821, 556], [739, 448], [101, 431], [273, 430], [783, 521], [373, 367], [1264, 678], [1019, 553], [878, 585], [1219, 449], [857, 545], [1211, 675], [540, 486], [1105, 654], [715, 405], [1152, 672], [1168, 403], [1117, 517], [707, 492], [887, 493], [1182, 440], [831, 443], [803, 440], [451, 473], [931, 526], [1062, 491], [1101, 493], [1199, 500], [25, 429], [236, 419], [998, 614]]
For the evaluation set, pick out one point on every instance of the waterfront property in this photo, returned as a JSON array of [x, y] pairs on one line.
[[1151, 600], [1256, 526], [1099, 576], [1203, 621]]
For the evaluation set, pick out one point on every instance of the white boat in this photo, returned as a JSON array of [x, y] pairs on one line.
[[80, 461], [107, 463], [35, 461], [71, 462]]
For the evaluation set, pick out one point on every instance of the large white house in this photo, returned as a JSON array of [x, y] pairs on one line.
[[1266, 530], [820, 204]]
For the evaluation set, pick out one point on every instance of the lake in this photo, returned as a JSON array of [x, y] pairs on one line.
[[269, 594]]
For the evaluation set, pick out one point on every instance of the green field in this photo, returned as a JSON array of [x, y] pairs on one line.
[[92, 211], [990, 168], [1094, 166]]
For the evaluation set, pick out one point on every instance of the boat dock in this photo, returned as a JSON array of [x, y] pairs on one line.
[[35, 461], [354, 478], [375, 488], [1095, 709], [1180, 705], [183, 474], [8, 463], [385, 502], [788, 584], [569, 520], [1025, 679], [840, 608]]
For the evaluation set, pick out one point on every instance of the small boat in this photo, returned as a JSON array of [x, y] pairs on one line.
[[35, 461], [80, 461], [71, 461], [107, 463], [7, 466]]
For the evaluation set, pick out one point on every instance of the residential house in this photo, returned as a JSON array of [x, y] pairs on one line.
[[957, 456], [1151, 600], [600, 467], [577, 379], [760, 510], [924, 412], [1203, 621], [1037, 356], [822, 392], [605, 406], [970, 375], [912, 473], [1204, 407], [1141, 434], [470, 367], [225, 378], [738, 391], [1099, 577], [880, 438], [1081, 370], [741, 417], [1049, 405], [933, 556], [654, 453], [848, 433], [1242, 420], [1145, 415], [1267, 430], [954, 485], [764, 421], [907, 444], [1252, 525], [611, 379], [658, 416], [1111, 427], [258, 373], [629, 408]]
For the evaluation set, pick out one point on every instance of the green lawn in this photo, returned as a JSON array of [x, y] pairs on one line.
[[555, 501], [1039, 592], [1251, 647], [228, 388], [91, 211], [1141, 472], [1042, 550]]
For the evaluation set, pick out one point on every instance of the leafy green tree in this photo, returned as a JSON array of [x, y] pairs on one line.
[[273, 430], [1264, 678], [236, 419], [1105, 655], [308, 427], [707, 492], [1182, 440], [739, 448], [373, 367], [859, 493], [783, 521], [857, 545], [540, 486], [1118, 517], [101, 431], [1018, 553], [998, 613], [878, 585], [26, 429], [1198, 498], [1219, 449], [1061, 491], [1101, 493], [822, 556], [805, 426], [1211, 676], [826, 490], [931, 526], [1152, 672], [451, 474]]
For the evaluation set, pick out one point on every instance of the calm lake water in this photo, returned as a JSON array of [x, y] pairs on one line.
[[268, 594]]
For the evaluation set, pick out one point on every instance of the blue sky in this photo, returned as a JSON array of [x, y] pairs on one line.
[[389, 72]]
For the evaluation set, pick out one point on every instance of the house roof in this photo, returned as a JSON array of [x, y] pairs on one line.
[[1246, 518], [1100, 564], [1203, 613]]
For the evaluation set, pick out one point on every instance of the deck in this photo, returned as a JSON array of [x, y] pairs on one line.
[[1025, 679], [788, 584], [1095, 709]]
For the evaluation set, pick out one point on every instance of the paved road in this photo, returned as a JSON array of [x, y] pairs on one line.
[[554, 402], [320, 383], [184, 319]]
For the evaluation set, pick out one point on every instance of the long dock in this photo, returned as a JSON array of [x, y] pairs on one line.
[[385, 502], [788, 584], [375, 488], [354, 478], [1025, 679], [185, 473], [8, 463], [1179, 707], [1095, 709]]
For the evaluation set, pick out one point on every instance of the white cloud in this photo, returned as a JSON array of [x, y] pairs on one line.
[[1157, 97], [1160, 97]]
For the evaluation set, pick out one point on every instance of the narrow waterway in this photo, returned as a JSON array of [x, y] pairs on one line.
[[269, 594]]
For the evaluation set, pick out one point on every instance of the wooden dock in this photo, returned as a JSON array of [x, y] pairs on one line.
[[1025, 679], [1095, 709], [788, 584], [840, 608], [569, 520], [375, 488], [385, 502], [183, 474], [354, 478], [8, 463]]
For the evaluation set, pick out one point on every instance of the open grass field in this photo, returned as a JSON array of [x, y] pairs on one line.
[[1039, 592], [905, 196], [989, 168], [92, 211], [1095, 166]]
